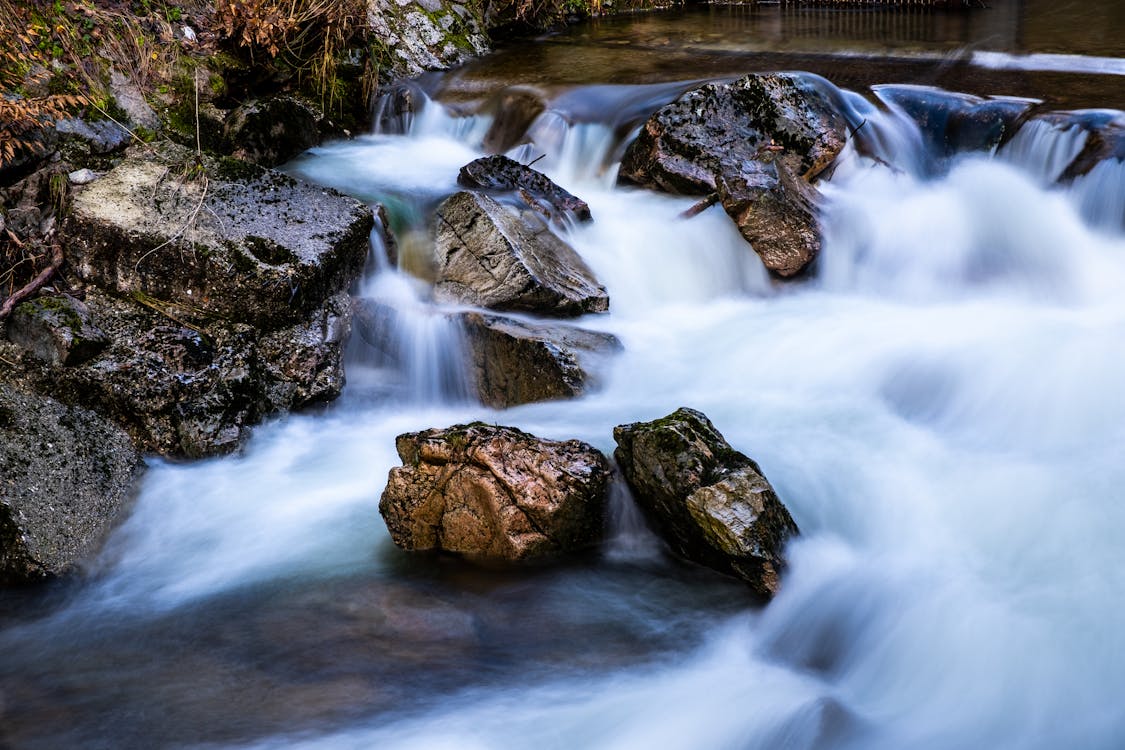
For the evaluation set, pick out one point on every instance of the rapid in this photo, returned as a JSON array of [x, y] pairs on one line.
[[939, 405]]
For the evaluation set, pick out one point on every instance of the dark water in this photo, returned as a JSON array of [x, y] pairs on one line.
[[852, 47]]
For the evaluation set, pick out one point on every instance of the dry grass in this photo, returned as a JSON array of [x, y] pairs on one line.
[[302, 36]]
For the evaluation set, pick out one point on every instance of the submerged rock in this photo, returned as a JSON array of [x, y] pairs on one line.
[[952, 122], [514, 109], [227, 239], [710, 502], [758, 142], [1105, 138], [65, 476], [489, 256], [502, 174], [515, 362], [494, 493]]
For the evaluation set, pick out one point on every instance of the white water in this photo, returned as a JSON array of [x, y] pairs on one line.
[[941, 409]]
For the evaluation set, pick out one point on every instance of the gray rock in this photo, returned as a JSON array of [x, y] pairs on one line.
[[490, 257], [226, 239], [425, 35], [710, 502], [189, 387], [132, 101], [82, 176], [759, 142], [100, 136], [515, 362], [303, 364], [65, 476], [502, 174], [57, 329], [495, 493]]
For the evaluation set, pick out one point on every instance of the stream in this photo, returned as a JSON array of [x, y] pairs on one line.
[[939, 405]]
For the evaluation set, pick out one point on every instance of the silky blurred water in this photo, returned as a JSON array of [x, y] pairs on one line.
[[939, 405]]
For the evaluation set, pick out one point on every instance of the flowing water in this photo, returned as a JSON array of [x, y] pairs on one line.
[[939, 405]]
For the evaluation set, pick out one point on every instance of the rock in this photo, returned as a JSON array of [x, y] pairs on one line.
[[514, 362], [759, 142], [57, 329], [420, 39], [65, 475], [303, 364], [272, 131], [226, 239], [490, 257], [494, 493], [514, 109], [183, 386], [955, 123], [82, 176], [710, 502], [501, 174], [129, 97], [395, 108], [100, 136]]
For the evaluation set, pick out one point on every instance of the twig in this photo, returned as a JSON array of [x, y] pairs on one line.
[[34, 285], [701, 206], [537, 158]]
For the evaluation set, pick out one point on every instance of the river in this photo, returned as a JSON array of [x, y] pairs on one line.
[[939, 405]]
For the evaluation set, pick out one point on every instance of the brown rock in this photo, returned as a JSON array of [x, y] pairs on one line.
[[494, 493], [518, 363]]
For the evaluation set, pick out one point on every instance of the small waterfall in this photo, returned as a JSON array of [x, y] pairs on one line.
[[1043, 149], [1100, 195], [629, 537]]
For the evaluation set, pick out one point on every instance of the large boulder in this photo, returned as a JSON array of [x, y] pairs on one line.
[[490, 256], [226, 238], [515, 362], [710, 502], [182, 385], [65, 475], [758, 142], [502, 174], [494, 493]]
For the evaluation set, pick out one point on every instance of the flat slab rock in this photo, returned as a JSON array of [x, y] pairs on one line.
[[759, 143], [232, 240], [490, 256], [494, 493], [709, 502], [65, 476]]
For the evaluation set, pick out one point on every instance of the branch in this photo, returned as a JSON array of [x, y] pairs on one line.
[[34, 285]]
